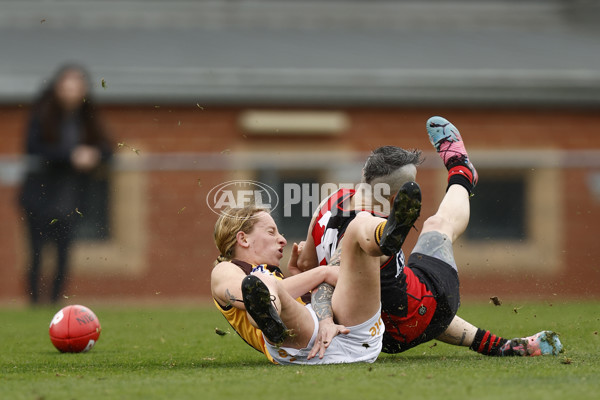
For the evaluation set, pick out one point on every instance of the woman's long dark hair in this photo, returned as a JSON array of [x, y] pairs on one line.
[[52, 113]]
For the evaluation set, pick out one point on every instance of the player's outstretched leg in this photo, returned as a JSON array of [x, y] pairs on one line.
[[447, 141], [541, 344], [258, 303], [405, 210]]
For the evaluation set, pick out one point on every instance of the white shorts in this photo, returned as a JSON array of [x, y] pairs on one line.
[[362, 344]]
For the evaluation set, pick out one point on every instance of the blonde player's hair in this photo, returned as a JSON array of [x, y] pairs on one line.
[[230, 222]]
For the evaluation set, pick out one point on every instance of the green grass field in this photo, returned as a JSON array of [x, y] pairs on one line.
[[174, 353]]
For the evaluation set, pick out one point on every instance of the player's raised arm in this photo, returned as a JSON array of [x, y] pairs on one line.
[[304, 282]]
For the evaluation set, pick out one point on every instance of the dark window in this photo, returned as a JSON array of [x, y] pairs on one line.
[[94, 212], [299, 196], [498, 209]]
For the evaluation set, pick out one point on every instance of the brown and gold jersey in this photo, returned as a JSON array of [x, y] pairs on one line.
[[238, 319]]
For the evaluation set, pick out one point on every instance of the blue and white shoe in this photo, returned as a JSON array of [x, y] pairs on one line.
[[541, 344], [448, 143]]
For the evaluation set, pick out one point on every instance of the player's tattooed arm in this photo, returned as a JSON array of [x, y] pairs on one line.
[[321, 301], [328, 329], [231, 298]]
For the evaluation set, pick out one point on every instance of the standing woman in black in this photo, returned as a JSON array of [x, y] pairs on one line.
[[66, 145]]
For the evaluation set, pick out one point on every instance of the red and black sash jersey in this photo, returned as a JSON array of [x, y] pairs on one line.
[[331, 223], [408, 305]]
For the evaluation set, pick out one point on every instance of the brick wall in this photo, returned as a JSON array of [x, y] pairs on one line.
[[176, 144]]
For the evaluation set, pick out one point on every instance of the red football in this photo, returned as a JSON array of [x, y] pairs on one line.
[[74, 329]]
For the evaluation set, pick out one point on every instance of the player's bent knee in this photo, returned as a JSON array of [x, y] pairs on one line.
[[359, 236], [434, 223], [358, 224]]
